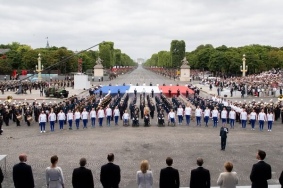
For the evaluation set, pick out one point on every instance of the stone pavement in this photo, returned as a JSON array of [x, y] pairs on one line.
[[131, 145]]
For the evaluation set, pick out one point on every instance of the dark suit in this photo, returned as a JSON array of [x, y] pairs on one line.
[[169, 178], [22, 176], [223, 134], [261, 172], [1, 178], [200, 178], [281, 179], [110, 175], [82, 177]]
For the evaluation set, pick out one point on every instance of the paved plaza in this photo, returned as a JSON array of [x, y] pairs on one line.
[[131, 145]]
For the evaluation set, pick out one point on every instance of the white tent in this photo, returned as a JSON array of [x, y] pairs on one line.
[[141, 89]]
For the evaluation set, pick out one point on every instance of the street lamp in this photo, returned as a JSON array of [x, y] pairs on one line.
[[244, 68], [39, 67]]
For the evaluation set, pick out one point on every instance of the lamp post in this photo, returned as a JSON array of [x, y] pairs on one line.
[[244, 68], [39, 67]]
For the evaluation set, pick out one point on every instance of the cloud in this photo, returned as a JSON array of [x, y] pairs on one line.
[[141, 28]]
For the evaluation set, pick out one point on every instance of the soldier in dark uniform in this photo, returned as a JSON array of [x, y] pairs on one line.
[[135, 118], [1, 123], [36, 112], [277, 112], [152, 93], [17, 113], [121, 109], [135, 92], [178, 92], [142, 109], [26, 115], [6, 116], [169, 91], [152, 109]]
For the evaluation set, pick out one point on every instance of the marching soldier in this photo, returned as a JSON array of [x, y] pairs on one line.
[[27, 115]]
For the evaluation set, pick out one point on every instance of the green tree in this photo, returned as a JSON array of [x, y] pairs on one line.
[[117, 57], [164, 59], [106, 53], [177, 50]]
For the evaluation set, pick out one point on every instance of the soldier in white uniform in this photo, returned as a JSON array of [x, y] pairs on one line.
[[52, 119], [198, 113], [116, 115], [108, 112], [61, 117], [188, 111], [180, 113], [84, 117], [42, 121], [206, 115], [77, 118], [215, 116], [93, 117], [100, 115], [70, 118]]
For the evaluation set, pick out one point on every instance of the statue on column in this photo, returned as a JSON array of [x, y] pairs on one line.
[[99, 61], [185, 61]]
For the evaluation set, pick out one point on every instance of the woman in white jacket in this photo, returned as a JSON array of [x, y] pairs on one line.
[[144, 176], [228, 179]]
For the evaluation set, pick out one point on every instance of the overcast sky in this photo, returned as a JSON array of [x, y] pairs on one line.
[[141, 27]]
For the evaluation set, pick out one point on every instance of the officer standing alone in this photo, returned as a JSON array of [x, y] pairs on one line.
[[223, 135]]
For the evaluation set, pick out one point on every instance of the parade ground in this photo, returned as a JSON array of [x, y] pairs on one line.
[[132, 145]]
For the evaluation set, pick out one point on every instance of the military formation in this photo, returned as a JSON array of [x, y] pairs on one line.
[[23, 112], [25, 87]]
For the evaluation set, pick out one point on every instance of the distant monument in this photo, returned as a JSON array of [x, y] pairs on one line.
[[185, 70], [98, 69]]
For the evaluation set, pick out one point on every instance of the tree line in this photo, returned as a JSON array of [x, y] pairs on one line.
[[23, 57], [221, 60]]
